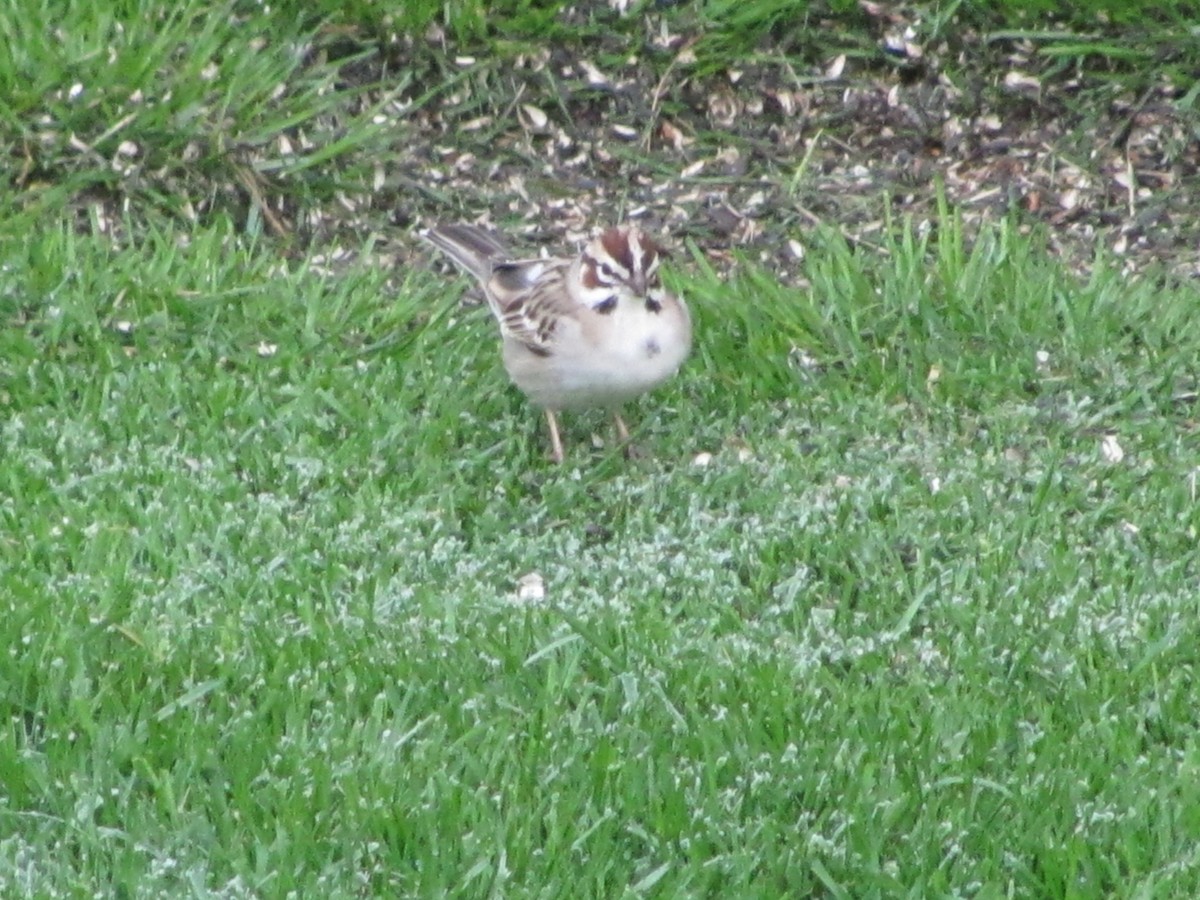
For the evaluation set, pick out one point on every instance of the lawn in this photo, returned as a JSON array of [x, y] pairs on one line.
[[902, 597]]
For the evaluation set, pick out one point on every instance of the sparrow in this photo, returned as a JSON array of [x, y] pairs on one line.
[[577, 332]]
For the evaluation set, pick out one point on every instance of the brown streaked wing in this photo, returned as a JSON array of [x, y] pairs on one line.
[[531, 316], [510, 279]]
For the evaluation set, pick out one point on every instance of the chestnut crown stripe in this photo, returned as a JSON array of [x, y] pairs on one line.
[[619, 246], [626, 257]]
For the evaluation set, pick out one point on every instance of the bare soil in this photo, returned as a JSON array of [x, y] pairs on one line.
[[556, 141]]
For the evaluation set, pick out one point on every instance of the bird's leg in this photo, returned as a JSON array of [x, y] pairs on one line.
[[556, 447], [622, 431], [631, 449]]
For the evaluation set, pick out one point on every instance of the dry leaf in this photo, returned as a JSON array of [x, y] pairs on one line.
[[672, 135]]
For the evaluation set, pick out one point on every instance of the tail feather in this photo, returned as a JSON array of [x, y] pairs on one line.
[[470, 247]]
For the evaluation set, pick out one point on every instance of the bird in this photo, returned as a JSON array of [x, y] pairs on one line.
[[576, 332]]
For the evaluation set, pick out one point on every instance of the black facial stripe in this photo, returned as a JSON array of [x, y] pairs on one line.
[[653, 305], [603, 272], [606, 306]]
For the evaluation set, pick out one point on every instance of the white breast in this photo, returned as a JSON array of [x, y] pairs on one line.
[[603, 360]]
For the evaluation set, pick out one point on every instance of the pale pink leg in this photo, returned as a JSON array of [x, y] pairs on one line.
[[631, 449], [556, 447], [622, 431]]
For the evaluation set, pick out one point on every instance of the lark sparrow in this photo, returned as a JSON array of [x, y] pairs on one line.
[[585, 331]]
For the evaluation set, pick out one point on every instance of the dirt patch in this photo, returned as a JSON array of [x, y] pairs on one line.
[[554, 142]]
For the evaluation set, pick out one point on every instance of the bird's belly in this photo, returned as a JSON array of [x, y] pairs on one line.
[[607, 375]]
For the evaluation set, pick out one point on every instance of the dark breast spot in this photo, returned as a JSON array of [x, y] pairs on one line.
[[652, 348]]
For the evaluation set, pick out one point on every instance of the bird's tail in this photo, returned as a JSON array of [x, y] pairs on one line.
[[472, 248]]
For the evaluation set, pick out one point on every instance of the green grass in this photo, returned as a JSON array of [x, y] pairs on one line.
[[177, 107], [882, 613], [900, 635]]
